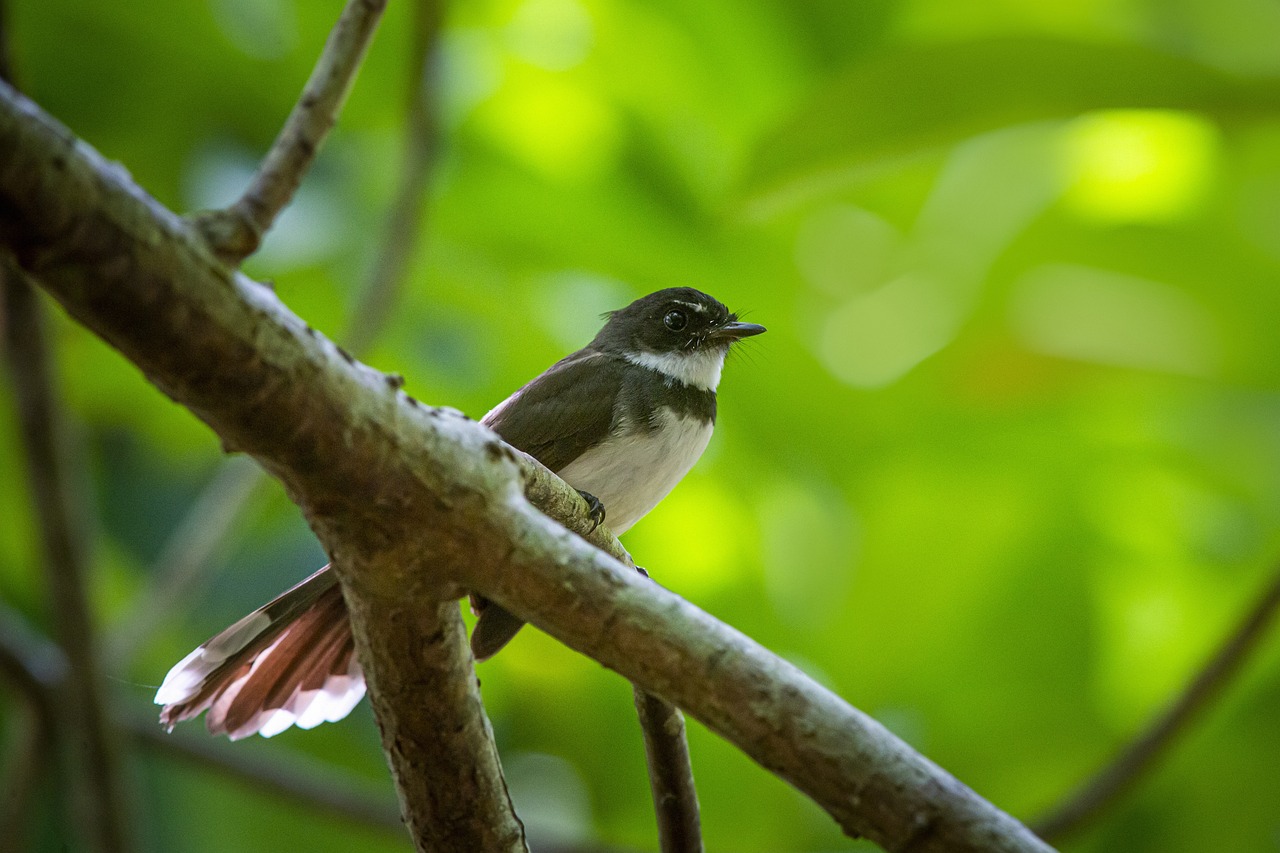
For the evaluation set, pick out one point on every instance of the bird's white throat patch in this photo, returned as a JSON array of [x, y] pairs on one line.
[[700, 368]]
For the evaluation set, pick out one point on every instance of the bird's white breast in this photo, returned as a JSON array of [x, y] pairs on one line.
[[632, 470]]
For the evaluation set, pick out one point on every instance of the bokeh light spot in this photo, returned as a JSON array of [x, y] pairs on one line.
[[552, 122], [699, 535], [1101, 316], [552, 34], [262, 29], [875, 339], [1138, 165], [570, 303], [810, 540], [554, 805], [844, 249], [1156, 624]]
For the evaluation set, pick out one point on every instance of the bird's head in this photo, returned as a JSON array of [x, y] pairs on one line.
[[673, 321]]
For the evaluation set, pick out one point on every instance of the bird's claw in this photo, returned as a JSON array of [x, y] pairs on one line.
[[595, 509]]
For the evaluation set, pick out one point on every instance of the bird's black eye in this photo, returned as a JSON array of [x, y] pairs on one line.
[[675, 320]]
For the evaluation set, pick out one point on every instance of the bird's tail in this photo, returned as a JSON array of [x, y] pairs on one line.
[[290, 662]]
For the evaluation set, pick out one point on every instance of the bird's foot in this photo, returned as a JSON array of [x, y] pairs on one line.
[[595, 509]]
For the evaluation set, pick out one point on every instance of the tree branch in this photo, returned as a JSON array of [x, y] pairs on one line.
[[445, 762], [63, 541], [33, 753], [236, 233], [411, 500], [675, 799], [1111, 782]]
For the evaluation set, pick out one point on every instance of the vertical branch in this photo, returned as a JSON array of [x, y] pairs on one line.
[[666, 751], [675, 800], [22, 779], [63, 543], [1121, 774], [36, 751], [444, 806]]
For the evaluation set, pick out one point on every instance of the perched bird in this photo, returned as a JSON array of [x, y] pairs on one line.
[[622, 420]]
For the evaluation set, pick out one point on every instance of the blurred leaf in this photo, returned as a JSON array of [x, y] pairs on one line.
[[916, 98]]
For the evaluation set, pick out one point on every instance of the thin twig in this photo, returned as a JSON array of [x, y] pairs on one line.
[[666, 750], [236, 233], [63, 543], [1110, 783], [675, 800]]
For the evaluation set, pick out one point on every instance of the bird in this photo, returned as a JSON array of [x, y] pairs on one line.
[[621, 420]]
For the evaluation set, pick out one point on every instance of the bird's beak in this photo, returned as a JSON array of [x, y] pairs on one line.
[[735, 331]]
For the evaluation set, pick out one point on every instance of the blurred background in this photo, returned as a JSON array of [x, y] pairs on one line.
[[1004, 472]]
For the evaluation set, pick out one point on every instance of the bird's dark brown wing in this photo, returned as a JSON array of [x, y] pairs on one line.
[[555, 428], [552, 425]]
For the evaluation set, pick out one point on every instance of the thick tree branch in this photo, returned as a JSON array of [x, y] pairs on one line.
[[450, 781], [1110, 783], [63, 543], [235, 233], [409, 499]]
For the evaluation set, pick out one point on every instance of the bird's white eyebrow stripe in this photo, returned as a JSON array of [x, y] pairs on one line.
[[696, 306]]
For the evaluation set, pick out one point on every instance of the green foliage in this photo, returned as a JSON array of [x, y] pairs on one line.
[[1003, 472]]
